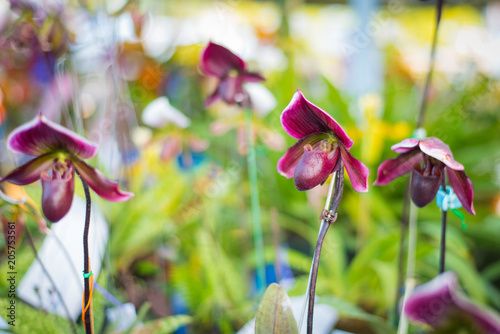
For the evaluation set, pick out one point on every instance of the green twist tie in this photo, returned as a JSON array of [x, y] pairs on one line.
[[419, 133], [461, 216], [87, 275]]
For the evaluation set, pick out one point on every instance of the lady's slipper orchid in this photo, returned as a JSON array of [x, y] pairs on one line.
[[322, 143], [427, 178], [231, 71], [59, 152], [441, 305]]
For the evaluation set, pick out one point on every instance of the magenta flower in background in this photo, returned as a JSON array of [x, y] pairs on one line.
[[441, 305], [59, 152], [322, 144], [427, 177], [232, 73]]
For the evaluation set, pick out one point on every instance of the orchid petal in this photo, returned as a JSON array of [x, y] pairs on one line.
[[357, 171], [435, 148], [441, 305], [424, 188], [288, 162], [31, 171], [218, 61], [100, 184], [57, 195], [314, 167], [40, 136], [405, 146], [231, 91], [301, 118], [462, 186], [251, 77], [393, 168], [212, 98], [263, 101]]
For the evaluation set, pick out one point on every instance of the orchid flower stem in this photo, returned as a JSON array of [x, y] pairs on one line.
[[33, 248], [332, 204], [401, 253], [89, 321], [255, 205], [423, 102], [442, 248], [410, 267]]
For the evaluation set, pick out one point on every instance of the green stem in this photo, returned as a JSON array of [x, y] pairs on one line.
[[410, 266], [401, 252], [442, 246], [255, 204]]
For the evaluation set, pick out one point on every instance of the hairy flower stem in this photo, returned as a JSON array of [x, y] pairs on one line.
[[442, 248], [33, 248], [255, 205], [333, 201], [423, 102], [89, 318]]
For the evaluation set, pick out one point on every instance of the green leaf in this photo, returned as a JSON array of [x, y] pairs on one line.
[[350, 311], [167, 325], [274, 314]]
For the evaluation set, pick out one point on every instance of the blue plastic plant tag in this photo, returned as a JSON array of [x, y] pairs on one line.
[[449, 201], [419, 133]]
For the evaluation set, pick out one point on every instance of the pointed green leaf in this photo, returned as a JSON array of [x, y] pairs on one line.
[[274, 315]]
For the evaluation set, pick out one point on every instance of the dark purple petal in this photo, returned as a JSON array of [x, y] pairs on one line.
[[462, 186], [301, 118], [287, 163], [314, 167], [405, 146], [441, 305], [100, 184], [57, 195], [218, 61], [423, 189], [40, 136], [251, 77], [232, 92], [212, 98], [32, 170], [393, 168], [435, 148], [357, 171]]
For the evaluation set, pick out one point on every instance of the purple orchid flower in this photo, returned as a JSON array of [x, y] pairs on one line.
[[441, 305], [231, 70], [59, 151], [426, 180], [322, 144]]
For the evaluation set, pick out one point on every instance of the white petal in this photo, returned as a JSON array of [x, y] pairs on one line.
[[160, 113], [263, 101]]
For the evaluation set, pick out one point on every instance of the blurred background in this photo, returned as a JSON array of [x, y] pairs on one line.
[[181, 251]]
